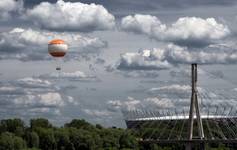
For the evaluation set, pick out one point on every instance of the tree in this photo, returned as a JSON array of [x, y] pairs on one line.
[[98, 126], [82, 139], [32, 139], [15, 126], [62, 139], [127, 140], [80, 124], [40, 122], [47, 139], [9, 141], [110, 137]]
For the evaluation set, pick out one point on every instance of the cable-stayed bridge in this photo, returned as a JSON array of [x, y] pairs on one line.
[[199, 124]]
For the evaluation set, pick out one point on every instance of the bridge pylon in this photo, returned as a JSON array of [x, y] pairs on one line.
[[194, 109]]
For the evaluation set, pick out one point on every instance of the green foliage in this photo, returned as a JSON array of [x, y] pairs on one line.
[[31, 149], [40, 122], [82, 139], [15, 126], [127, 140], [8, 141], [98, 126], [32, 139], [219, 147], [47, 138], [62, 139], [80, 124], [111, 137]]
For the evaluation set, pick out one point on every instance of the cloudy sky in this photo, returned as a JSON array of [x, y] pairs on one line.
[[123, 55]]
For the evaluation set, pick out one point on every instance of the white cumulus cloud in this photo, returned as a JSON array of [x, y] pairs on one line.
[[157, 58], [173, 87], [71, 16], [177, 54], [72, 76], [50, 99], [30, 44], [30, 82], [133, 104], [195, 31], [186, 31], [10, 7], [97, 113], [144, 60], [141, 23], [163, 103], [30, 93], [129, 104]]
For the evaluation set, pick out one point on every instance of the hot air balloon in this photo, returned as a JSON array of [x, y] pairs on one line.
[[57, 48]]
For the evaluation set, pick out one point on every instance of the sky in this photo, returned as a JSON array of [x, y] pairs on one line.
[[123, 55]]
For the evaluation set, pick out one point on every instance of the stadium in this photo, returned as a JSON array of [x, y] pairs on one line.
[[167, 127]]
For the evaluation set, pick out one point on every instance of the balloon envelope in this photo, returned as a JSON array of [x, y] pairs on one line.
[[57, 48]]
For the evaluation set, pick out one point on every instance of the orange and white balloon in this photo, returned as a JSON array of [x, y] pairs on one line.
[[57, 48]]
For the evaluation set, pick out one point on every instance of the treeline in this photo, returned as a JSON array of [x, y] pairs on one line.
[[76, 135]]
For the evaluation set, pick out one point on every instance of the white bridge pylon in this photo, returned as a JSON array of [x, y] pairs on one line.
[[194, 108]]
